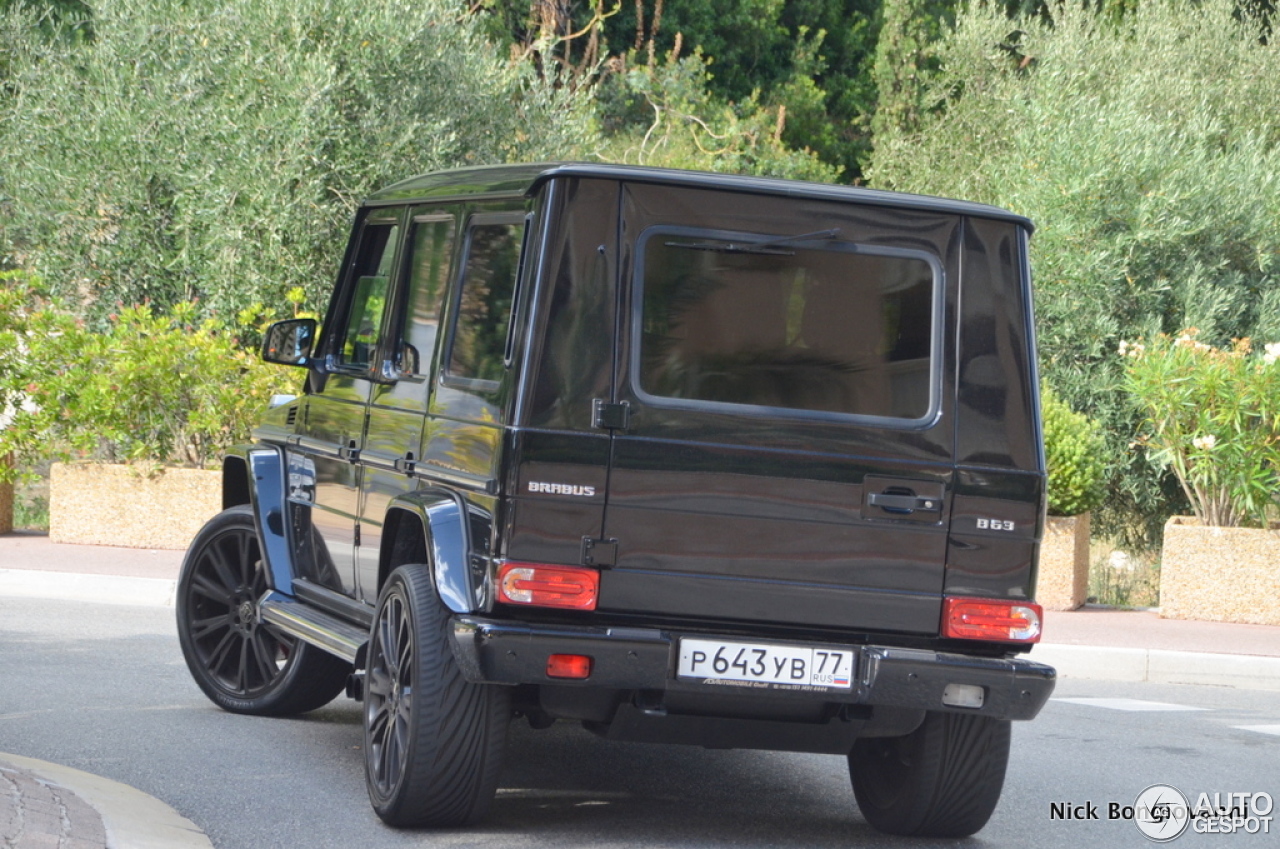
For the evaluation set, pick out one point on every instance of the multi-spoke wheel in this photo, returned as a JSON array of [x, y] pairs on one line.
[[941, 780], [243, 664], [433, 742]]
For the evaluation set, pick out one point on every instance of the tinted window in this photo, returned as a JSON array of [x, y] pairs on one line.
[[372, 275], [819, 326], [490, 267], [432, 245]]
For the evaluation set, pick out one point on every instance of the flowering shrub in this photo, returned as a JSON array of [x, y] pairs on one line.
[[154, 388], [1212, 416]]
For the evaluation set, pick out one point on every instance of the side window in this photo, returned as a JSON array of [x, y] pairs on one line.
[[482, 312], [371, 278], [432, 245], [832, 327]]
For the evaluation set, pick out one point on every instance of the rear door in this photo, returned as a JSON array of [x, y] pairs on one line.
[[783, 439]]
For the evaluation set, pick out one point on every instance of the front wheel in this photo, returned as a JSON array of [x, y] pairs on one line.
[[244, 665], [942, 780], [433, 741]]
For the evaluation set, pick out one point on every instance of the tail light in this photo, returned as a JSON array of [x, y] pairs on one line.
[[576, 666], [992, 619], [548, 586]]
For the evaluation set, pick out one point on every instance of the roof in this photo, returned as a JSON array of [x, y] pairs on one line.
[[515, 181]]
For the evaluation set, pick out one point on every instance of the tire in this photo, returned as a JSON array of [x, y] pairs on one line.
[[433, 742], [242, 664], [942, 780]]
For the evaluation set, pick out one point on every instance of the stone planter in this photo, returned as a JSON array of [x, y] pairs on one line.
[[1220, 574], [101, 504], [6, 501], [1063, 582]]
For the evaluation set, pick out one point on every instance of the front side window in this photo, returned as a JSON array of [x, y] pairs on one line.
[[489, 271], [807, 325], [371, 280]]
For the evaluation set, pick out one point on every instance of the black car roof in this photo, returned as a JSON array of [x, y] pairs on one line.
[[522, 180]]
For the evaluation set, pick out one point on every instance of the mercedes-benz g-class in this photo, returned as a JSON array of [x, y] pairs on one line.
[[684, 457]]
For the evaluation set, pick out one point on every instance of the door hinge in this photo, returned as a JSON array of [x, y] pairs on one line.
[[599, 552], [610, 416], [357, 533]]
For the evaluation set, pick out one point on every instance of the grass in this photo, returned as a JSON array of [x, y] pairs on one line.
[[1121, 578], [31, 506]]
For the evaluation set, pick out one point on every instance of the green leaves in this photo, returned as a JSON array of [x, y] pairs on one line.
[[1212, 417], [1074, 455], [217, 151], [155, 387]]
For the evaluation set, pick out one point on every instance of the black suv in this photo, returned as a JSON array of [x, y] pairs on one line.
[[683, 457]]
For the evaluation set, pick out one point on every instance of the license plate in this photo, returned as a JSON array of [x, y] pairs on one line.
[[765, 665]]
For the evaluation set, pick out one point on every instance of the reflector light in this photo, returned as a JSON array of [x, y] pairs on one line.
[[569, 666], [991, 619], [548, 586]]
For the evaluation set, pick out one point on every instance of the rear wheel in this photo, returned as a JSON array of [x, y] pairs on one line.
[[243, 664], [942, 780], [433, 741]]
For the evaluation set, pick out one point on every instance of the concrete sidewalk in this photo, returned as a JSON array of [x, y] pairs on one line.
[[93, 813], [1099, 643]]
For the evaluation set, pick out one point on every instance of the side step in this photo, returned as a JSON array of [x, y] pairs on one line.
[[316, 627]]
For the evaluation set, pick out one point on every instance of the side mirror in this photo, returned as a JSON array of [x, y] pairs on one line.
[[289, 342]]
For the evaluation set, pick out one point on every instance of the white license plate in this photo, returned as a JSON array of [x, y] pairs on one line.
[[767, 665]]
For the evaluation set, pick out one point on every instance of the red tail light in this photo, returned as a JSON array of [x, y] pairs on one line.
[[548, 586], [569, 666], [992, 619]]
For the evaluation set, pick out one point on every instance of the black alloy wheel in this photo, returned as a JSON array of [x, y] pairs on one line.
[[433, 741], [243, 664]]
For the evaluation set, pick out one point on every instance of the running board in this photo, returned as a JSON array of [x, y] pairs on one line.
[[320, 629]]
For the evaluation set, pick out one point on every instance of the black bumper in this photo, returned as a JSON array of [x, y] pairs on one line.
[[502, 652]]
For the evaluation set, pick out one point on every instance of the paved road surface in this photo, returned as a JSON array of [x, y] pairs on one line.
[[103, 688]]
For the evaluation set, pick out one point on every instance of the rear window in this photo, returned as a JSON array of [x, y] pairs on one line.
[[807, 323]]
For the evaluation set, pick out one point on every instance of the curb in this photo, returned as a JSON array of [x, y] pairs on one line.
[[1099, 663], [132, 819], [1104, 663], [101, 589]]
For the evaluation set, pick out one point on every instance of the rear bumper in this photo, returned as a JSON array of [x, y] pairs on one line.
[[502, 652]]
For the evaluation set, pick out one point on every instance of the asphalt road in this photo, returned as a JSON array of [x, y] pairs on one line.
[[103, 688]]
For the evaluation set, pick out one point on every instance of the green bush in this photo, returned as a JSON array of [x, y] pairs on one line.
[[217, 151], [1146, 149], [154, 388], [663, 114], [1074, 455], [1212, 417]]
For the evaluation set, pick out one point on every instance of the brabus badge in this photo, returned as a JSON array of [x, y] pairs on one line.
[[562, 489]]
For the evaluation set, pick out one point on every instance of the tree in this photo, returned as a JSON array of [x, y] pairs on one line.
[[808, 59], [216, 151]]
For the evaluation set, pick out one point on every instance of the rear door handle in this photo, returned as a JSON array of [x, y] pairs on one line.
[[904, 503]]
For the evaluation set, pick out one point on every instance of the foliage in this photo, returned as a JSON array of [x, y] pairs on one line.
[[903, 58], [808, 59], [1211, 416], [161, 387], [1074, 452], [1146, 149], [660, 114], [216, 151]]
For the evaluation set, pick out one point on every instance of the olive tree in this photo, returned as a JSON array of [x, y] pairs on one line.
[[216, 151]]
